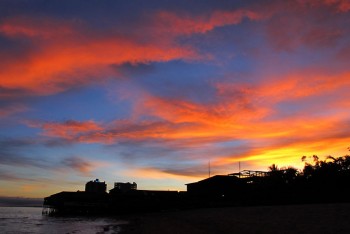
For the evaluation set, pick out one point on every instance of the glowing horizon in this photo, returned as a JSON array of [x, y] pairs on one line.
[[150, 92]]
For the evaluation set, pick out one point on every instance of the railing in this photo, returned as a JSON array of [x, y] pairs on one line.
[[248, 174]]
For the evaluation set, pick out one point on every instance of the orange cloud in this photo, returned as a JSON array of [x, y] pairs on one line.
[[149, 173], [29, 188], [288, 87], [241, 113], [66, 130], [222, 114], [63, 66], [66, 56]]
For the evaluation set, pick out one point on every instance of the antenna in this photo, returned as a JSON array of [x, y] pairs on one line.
[[209, 168], [239, 168]]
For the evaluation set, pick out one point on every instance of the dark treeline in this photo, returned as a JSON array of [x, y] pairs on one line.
[[329, 172], [320, 181]]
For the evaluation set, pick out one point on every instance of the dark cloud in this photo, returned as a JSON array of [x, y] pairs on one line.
[[13, 152], [10, 176], [5, 176], [16, 152], [58, 143], [79, 164], [95, 8], [131, 69], [14, 48], [321, 28], [10, 94], [17, 159], [14, 101], [16, 143]]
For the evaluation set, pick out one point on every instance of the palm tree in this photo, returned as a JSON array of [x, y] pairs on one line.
[[273, 168], [275, 174]]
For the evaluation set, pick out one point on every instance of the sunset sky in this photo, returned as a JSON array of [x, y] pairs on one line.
[[151, 91]]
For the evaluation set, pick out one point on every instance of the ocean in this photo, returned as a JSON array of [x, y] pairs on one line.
[[15, 220]]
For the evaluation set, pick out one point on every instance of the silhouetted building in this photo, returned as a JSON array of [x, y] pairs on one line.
[[76, 203], [125, 186], [120, 187], [215, 186], [231, 185], [96, 186]]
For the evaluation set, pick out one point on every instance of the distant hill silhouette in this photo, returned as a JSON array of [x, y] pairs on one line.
[[20, 202]]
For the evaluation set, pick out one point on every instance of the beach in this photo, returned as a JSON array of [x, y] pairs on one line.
[[310, 218]]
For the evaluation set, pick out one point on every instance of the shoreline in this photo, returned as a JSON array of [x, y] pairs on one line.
[[305, 218]]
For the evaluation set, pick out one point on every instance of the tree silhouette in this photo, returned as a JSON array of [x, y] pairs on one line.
[[273, 168], [290, 174]]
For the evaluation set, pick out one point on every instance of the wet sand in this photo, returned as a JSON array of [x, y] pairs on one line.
[[315, 218]]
